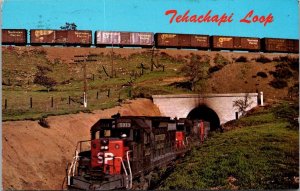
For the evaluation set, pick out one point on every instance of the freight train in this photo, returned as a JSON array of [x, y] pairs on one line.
[[83, 38], [123, 148]]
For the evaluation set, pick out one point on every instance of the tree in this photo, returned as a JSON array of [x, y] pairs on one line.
[[69, 26], [196, 71], [242, 104], [41, 78]]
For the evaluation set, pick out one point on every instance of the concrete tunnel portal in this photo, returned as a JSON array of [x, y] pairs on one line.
[[206, 114]]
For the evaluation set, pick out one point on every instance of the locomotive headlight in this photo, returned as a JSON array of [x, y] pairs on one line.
[[104, 147], [117, 146]]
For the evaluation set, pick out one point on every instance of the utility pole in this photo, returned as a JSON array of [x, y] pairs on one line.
[[153, 53], [84, 86], [112, 60], [84, 59]]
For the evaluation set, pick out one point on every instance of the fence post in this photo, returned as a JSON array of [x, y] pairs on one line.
[[30, 102], [5, 104], [52, 104], [97, 95], [108, 92]]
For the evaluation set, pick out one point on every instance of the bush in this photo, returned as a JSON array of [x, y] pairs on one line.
[[220, 60], [44, 123], [184, 85], [282, 73], [263, 59], [278, 84], [262, 74], [215, 68], [241, 59]]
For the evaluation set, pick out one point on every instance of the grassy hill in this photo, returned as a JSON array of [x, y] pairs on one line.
[[118, 74], [261, 151]]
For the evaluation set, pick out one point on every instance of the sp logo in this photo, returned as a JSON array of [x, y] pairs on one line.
[[106, 157]]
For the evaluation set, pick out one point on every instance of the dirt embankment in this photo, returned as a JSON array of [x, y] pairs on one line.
[[35, 157]]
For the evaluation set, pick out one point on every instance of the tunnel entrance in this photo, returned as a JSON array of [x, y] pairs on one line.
[[205, 113]]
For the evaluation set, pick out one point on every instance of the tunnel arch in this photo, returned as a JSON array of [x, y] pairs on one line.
[[207, 114]]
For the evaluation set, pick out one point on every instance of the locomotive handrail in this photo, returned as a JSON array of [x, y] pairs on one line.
[[130, 173], [73, 166], [123, 165]]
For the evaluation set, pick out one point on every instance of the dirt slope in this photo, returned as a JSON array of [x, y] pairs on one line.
[[35, 157]]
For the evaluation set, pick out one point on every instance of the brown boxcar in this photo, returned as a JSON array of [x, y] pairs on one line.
[[61, 37], [107, 38], [79, 37], [166, 40], [184, 40], [235, 43], [200, 41], [221, 42], [14, 36], [246, 43], [280, 45], [42, 37]]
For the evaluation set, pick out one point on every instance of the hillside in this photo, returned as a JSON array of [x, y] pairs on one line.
[[35, 157], [116, 74], [261, 151]]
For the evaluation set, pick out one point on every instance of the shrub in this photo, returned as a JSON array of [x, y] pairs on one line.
[[241, 59], [215, 68], [282, 73], [220, 60], [278, 83], [263, 59], [262, 74], [44, 123]]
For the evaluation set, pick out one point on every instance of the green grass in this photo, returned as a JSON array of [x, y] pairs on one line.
[[19, 70], [262, 154]]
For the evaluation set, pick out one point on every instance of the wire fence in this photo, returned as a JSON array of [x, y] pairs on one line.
[[26, 106]]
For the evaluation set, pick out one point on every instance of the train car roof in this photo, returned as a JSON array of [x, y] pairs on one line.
[[137, 121]]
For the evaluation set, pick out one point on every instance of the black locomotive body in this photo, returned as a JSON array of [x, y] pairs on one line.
[[124, 148]]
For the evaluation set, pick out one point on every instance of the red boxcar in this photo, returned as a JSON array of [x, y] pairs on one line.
[[167, 40], [235, 43], [61, 37], [14, 36], [79, 37], [109, 38], [280, 45]]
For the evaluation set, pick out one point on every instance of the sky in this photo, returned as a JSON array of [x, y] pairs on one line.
[[149, 16]]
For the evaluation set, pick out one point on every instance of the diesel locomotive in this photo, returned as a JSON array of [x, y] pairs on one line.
[[123, 148]]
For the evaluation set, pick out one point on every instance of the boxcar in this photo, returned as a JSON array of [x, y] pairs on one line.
[[168, 40], [79, 38], [42, 37], [14, 36], [121, 39], [235, 43], [61, 37], [280, 45]]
